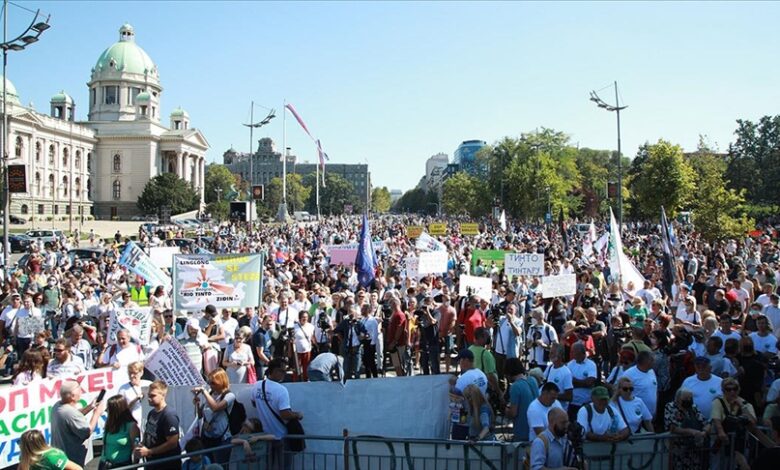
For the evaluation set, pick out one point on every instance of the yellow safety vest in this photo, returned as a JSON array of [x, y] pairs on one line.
[[139, 296]]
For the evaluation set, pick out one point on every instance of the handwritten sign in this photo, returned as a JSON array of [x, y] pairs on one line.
[[413, 231], [432, 262], [137, 322], [171, 364], [559, 286], [469, 229], [524, 264], [30, 326], [437, 229]]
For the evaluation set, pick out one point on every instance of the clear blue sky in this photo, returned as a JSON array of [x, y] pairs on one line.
[[393, 83]]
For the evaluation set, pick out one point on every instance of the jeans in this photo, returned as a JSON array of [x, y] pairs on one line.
[[429, 352], [369, 360], [352, 362]]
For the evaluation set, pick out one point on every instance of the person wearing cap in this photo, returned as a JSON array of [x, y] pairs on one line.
[[599, 420], [704, 386]]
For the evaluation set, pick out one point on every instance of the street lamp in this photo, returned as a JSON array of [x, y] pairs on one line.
[[219, 194], [616, 108], [29, 36], [252, 126]]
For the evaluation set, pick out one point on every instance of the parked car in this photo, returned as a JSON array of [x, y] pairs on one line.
[[45, 236], [19, 242], [182, 242], [86, 254]]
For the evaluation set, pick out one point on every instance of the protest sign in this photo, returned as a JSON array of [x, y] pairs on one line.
[[487, 257], [225, 281], [25, 407], [413, 231], [524, 264], [162, 256], [412, 267], [469, 229], [171, 364], [432, 262], [345, 254], [137, 321], [30, 326], [558, 286], [437, 229], [426, 242], [134, 259], [474, 285]]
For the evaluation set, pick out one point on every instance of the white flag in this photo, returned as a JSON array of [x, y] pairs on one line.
[[623, 268], [588, 239], [502, 220], [426, 242]]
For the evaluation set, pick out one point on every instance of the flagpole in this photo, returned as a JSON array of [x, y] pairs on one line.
[[317, 194], [284, 157]]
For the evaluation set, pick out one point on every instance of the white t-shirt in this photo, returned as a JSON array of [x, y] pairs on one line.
[[724, 337], [278, 398], [548, 336], [645, 386], [8, 315], [537, 416], [764, 344], [472, 376], [371, 324], [600, 423], [764, 300], [774, 391], [68, 369], [581, 371], [286, 318], [703, 392], [560, 377], [229, 327], [124, 356], [131, 393], [303, 335], [634, 412], [692, 317]]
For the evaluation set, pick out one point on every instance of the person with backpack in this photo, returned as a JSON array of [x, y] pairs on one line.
[[552, 449], [219, 403], [599, 420]]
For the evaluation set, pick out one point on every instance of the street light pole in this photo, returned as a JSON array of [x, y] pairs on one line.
[[616, 108], [252, 126], [29, 36]]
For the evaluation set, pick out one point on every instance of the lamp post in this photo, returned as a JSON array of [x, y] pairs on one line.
[[29, 36], [219, 194], [252, 126], [616, 108]]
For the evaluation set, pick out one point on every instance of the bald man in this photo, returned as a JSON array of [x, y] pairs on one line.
[[551, 449]]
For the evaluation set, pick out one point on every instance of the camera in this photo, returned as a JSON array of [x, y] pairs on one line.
[[323, 321], [495, 314]]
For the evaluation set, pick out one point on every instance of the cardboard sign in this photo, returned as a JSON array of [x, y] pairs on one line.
[[432, 262], [412, 267], [469, 229], [171, 364], [524, 264], [437, 229], [30, 326], [162, 256], [558, 286], [413, 231], [481, 286], [137, 322]]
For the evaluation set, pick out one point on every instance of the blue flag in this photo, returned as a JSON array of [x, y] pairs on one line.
[[365, 261], [669, 276]]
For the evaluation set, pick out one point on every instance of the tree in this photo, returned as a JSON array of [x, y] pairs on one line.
[[380, 200], [169, 190], [463, 193], [754, 160], [218, 177], [665, 179], [338, 193], [417, 200], [218, 210], [297, 194]]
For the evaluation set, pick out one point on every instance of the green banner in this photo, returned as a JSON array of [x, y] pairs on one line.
[[225, 281], [488, 257]]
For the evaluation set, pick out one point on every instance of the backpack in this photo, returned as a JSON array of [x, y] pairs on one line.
[[543, 438], [236, 415], [589, 409]]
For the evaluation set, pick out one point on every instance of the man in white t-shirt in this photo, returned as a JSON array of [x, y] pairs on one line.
[[763, 339], [643, 377], [540, 407], [285, 315], [9, 314], [704, 386], [272, 404], [229, 327], [560, 375], [469, 374], [599, 420], [725, 332], [583, 377]]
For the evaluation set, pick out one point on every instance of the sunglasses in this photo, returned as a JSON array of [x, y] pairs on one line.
[[627, 389]]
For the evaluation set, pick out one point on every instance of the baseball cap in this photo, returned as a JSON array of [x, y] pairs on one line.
[[599, 392], [466, 354]]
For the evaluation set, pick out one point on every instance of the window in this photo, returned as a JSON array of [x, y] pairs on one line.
[[38, 152], [67, 209], [65, 186], [18, 146], [51, 154], [55, 209], [93, 96], [117, 190], [110, 94], [77, 162], [89, 188], [77, 183], [65, 153], [143, 110], [37, 183], [154, 111], [176, 125], [132, 92], [40, 208], [89, 162], [71, 114], [25, 209], [117, 163], [51, 185]]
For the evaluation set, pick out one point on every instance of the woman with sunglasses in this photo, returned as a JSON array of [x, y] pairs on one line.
[[632, 409], [215, 409]]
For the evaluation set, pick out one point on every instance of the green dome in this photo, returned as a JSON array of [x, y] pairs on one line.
[[125, 56], [61, 97], [142, 97], [178, 112], [11, 93]]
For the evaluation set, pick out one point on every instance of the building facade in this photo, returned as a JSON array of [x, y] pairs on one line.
[[100, 166], [465, 155]]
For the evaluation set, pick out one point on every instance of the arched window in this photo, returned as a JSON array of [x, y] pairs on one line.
[[51, 154], [77, 185], [25, 209], [117, 163], [38, 151], [117, 190], [89, 161], [18, 146], [37, 183], [77, 161], [65, 154], [51, 185], [65, 186]]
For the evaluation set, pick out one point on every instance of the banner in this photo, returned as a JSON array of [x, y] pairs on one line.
[[137, 322], [225, 281], [30, 326], [488, 257], [524, 264], [469, 229], [171, 364], [437, 229], [134, 259], [426, 242], [432, 262], [345, 254], [481, 286], [558, 286], [25, 407], [412, 267], [413, 231], [162, 256]]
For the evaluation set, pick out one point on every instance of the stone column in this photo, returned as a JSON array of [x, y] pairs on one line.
[[180, 164], [202, 179]]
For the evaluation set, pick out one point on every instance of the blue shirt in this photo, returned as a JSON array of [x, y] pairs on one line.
[[554, 455], [521, 394]]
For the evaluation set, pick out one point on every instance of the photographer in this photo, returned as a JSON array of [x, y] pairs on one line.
[[541, 336], [350, 332], [428, 326], [370, 337], [552, 449], [322, 317], [509, 335]]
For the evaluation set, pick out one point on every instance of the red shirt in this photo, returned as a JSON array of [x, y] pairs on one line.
[[398, 322], [471, 318]]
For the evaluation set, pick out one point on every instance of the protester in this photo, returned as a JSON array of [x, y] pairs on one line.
[[161, 431], [683, 418], [133, 390], [326, 367], [70, 428], [539, 409], [121, 432], [238, 357], [31, 368], [522, 392], [215, 411], [35, 454], [552, 448], [632, 409], [481, 420]]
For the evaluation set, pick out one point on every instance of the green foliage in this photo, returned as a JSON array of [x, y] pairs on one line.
[[380, 200], [217, 177], [754, 160], [465, 194], [297, 194], [218, 210], [337, 193], [663, 178], [417, 200], [168, 189]]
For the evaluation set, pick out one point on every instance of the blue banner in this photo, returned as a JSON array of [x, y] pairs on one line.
[[139, 263]]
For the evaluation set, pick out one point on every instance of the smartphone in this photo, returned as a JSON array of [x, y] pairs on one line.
[[101, 395]]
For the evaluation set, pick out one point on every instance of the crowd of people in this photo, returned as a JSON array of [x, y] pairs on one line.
[[696, 355]]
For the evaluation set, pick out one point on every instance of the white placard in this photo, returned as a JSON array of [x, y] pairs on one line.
[[432, 262], [162, 256], [558, 286], [171, 364], [524, 264], [412, 265], [30, 326], [481, 286], [137, 321]]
